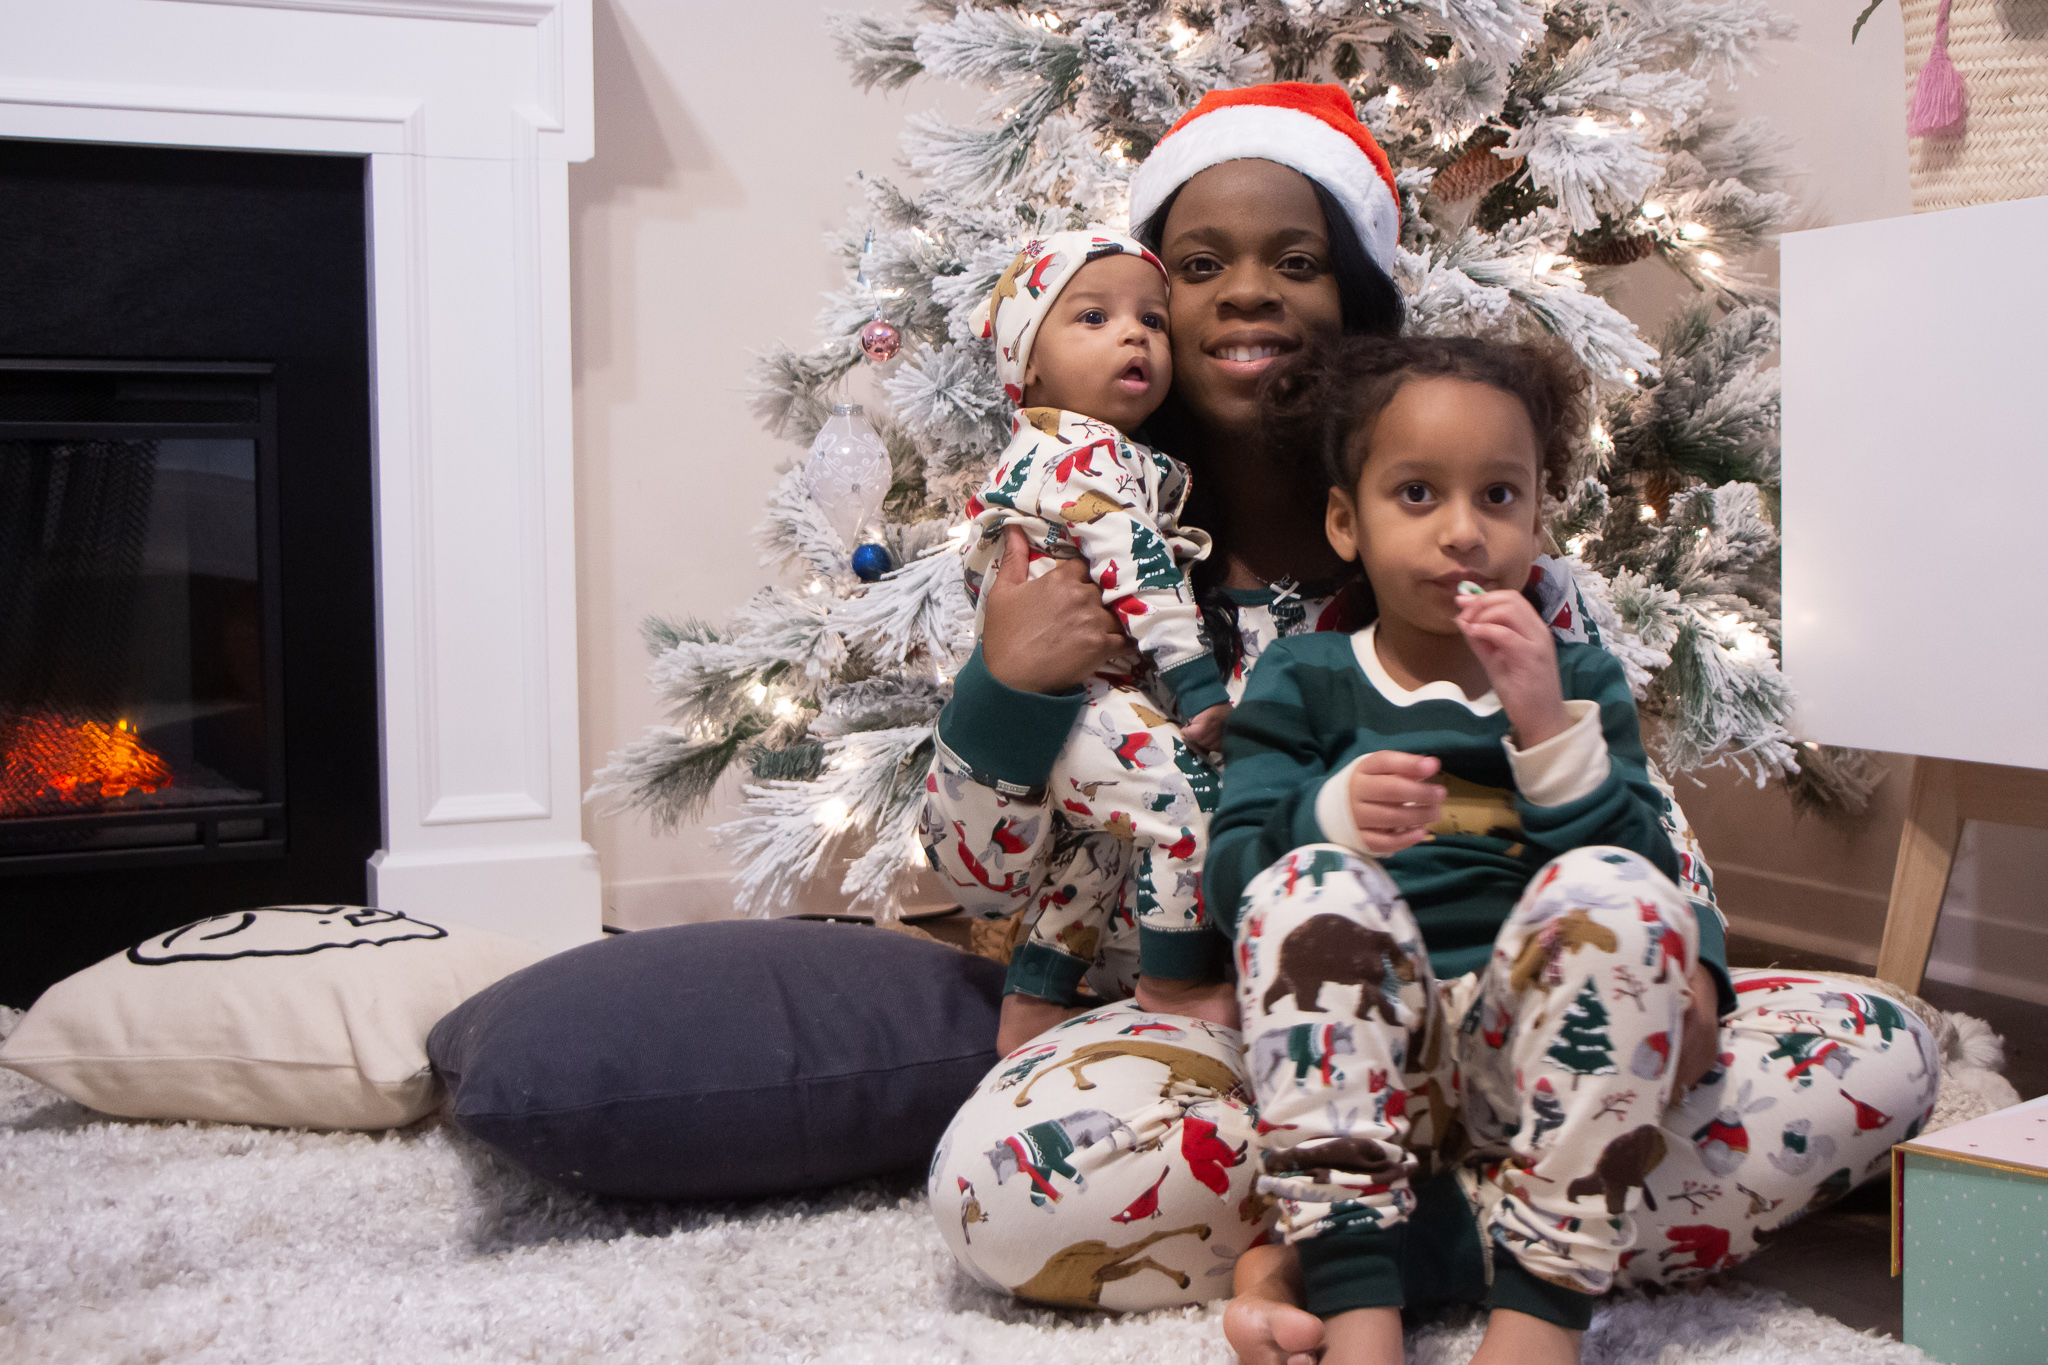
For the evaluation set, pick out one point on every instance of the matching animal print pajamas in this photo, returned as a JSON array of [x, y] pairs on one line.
[[1485, 1132]]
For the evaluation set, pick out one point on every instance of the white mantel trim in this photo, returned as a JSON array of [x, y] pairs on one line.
[[460, 11], [467, 187]]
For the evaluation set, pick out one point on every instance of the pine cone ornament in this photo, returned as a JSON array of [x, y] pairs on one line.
[[1477, 170], [1612, 248]]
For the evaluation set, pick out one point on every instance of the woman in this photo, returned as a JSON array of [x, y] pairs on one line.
[[1078, 1173]]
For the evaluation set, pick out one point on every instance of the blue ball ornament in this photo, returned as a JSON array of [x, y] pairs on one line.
[[871, 561]]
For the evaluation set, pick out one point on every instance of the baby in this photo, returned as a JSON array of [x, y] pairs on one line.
[[1079, 324]]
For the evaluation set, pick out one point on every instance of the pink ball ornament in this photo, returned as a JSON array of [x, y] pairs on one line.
[[880, 340]]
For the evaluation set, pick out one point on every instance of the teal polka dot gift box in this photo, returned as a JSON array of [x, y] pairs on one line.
[[1970, 1237]]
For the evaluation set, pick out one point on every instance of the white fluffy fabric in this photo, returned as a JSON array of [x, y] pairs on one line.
[[133, 1242]]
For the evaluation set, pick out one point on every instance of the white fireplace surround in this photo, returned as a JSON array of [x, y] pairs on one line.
[[468, 113]]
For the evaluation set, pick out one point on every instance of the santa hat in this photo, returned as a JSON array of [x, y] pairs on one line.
[[1024, 293], [1310, 128]]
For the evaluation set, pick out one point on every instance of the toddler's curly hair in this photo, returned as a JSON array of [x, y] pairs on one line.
[[1319, 410]]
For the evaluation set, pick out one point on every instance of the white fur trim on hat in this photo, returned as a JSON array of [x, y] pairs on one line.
[[1295, 139]]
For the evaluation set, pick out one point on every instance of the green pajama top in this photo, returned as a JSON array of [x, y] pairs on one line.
[[1309, 709]]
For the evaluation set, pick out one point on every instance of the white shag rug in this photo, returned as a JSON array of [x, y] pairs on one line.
[[153, 1242]]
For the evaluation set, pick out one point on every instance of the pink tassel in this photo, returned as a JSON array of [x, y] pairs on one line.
[[1938, 91]]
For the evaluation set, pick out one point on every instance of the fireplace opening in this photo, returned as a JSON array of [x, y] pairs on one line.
[[188, 647], [139, 665]]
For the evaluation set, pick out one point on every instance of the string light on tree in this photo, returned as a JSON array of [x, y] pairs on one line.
[[1522, 168]]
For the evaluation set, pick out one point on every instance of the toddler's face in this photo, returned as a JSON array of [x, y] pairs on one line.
[[1102, 350], [1450, 490]]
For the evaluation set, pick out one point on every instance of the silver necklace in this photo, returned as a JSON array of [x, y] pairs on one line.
[[1282, 587]]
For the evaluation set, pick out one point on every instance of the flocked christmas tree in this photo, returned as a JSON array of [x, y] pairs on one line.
[[1541, 147]]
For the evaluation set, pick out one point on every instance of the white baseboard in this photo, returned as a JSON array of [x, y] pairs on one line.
[[1963, 943], [700, 897], [1803, 940]]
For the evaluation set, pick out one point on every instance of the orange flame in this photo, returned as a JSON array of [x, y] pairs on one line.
[[73, 762]]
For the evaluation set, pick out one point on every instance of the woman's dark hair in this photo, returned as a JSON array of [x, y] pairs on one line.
[[1317, 412], [1369, 305]]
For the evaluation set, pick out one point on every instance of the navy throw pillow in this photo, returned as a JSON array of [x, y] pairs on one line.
[[725, 1060]]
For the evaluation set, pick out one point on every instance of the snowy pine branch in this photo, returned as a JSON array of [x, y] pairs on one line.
[[1539, 146]]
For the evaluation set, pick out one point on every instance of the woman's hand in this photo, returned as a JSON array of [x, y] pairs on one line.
[[1520, 658], [1393, 803], [1047, 634]]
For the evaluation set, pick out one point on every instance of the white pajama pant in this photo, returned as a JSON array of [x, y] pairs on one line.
[[1123, 1160]]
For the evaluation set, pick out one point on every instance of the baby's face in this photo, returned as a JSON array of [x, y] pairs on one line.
[[1102, 350]]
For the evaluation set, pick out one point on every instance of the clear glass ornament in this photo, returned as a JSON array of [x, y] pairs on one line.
[[847, 471]]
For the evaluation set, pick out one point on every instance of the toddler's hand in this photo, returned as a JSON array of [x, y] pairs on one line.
[[1392, 802], [1520, 658], [1205, 731]]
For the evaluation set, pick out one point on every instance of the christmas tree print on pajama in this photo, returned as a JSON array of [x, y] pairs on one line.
[[1582, 1045]]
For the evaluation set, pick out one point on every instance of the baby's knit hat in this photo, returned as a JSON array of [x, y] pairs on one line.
[[1024, 294], [1311, 128]]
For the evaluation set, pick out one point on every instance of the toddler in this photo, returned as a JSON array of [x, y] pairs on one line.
[[1079, 325], [1461, 954]]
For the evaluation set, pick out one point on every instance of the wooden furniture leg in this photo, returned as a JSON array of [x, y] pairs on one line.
[[1927, 848]]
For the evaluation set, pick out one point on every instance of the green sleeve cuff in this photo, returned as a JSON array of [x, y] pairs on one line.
[[1515, 1288], [1351, 1267], [1196, 687], [1185, 955], [1005, 734], [1714, 952], [1046, 973]]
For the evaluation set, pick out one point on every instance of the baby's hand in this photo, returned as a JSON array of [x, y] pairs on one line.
[[1392, 802], [1520, 658], [1205, 731]]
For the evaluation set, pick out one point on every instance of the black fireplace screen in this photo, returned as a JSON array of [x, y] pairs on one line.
[[139, 669]]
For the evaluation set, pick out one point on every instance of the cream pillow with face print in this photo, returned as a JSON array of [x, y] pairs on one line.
[[312, 1016]]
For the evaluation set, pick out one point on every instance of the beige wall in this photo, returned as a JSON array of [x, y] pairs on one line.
[[728, 138], [697, 240]]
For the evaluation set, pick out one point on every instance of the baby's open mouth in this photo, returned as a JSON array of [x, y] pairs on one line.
[[1136, 377]]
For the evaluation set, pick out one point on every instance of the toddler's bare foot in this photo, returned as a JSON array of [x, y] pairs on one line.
[[1266, 1332]]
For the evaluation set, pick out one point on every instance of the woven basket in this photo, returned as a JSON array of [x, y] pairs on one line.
[[2001, 49]]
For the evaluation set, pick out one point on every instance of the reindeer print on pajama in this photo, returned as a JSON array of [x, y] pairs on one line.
[[1110, 1163]]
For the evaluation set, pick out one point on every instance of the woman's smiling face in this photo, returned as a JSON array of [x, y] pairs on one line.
[[1249, 256]]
